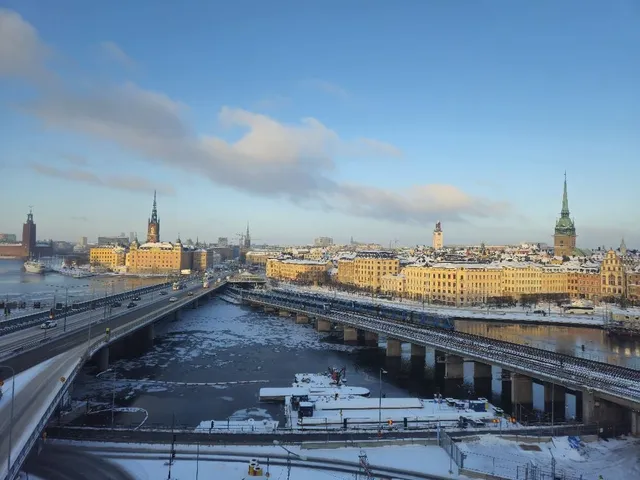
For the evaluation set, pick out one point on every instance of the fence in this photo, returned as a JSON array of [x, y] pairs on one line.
[[449, 445], [534, 472]]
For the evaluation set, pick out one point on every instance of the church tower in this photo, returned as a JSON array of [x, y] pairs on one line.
[[247, 238], [153, 227], [564, 238], [438, 241]]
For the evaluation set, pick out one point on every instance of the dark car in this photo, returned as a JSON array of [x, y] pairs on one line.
[[163, 292], [116, 304], [132, 305], [136, 299]]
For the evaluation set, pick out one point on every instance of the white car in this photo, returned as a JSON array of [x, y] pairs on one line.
[[173, 299], [49, 324]]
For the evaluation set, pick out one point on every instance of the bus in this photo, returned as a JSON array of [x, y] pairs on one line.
[[578, 309]]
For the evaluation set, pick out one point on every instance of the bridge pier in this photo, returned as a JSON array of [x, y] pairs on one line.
[[635, 424], [482, 370], [370, 338], [418, 350], [177, 315], [302, 319], [323, 325], [283, 313], [554, 399], [269, 310], [149, 335], [521, 393], [394, 347], [102, 359], [453, 367], [603, 412], [350, 335]]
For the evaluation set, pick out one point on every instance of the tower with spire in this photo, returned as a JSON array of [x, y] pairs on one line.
[[153, 226], [437, 242], [247, 238], [564, 238]]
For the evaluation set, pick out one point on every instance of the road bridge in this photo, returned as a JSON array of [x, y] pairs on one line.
[[610, 393], [85, 338]]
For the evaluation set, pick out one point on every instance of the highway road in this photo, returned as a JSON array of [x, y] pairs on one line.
[[29, 401], [80, 328], [59, 462]]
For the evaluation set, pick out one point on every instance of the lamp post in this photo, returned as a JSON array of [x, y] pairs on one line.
[[13, 393], [289, 453], [382, 370], [113, 397]]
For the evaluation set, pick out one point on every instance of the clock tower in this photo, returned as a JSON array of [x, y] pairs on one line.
[[153, 226]]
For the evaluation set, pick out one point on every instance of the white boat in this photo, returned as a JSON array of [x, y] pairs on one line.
[[33, 266]]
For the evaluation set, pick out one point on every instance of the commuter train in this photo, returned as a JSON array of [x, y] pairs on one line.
[[326, 304]]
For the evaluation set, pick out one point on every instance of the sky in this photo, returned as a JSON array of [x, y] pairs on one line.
[[364, 119]]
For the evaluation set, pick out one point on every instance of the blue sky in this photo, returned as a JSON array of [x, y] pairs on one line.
[[359, 118]]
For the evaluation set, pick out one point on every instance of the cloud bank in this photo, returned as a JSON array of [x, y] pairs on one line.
[[271, 159]]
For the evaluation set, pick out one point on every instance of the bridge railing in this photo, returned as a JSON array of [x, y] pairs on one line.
[[620, 382], [93, 346], [12, 324]]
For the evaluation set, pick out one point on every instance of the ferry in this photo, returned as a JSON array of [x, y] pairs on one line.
[[33, 266]]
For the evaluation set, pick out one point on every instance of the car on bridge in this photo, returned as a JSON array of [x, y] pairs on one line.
[[163, 292], [190, 294], [49, 324], [116, 304], [132, 305], [173, 299], [136, 299]]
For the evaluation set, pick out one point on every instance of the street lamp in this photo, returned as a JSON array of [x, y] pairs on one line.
[[13, 393], [382, 370], [289, 453]]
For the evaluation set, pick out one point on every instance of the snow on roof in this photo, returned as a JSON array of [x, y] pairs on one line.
[[160, 245]]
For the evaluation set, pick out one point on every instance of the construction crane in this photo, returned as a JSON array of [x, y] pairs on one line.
[[240, 239]]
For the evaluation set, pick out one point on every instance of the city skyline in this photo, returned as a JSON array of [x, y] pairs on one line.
[[396, 120]]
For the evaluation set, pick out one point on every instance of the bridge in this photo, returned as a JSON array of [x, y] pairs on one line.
[[610, 393], [63, 353]]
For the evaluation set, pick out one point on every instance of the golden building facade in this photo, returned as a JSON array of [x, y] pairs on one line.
[[156, 258], [259, 258], [298, 270], [346, 271], [109, 258], [612, 275], [554, 280], [393, 284], [202, 259], [370, 266], [521, 279]]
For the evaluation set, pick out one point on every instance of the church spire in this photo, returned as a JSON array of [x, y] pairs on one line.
[[565, 199], [154, 210]]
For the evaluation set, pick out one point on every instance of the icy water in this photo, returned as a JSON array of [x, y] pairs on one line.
[[228, 344]]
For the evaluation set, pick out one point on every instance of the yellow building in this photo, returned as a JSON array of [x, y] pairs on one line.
[[371, 265], [613, 276], [298, 270], [521, 279], [554, 280], [416, 281], [110, 258], [160, 257], [346, 270], [202, 259], [393, 284], [256, 257]]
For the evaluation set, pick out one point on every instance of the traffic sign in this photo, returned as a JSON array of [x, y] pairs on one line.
[[63, 379]]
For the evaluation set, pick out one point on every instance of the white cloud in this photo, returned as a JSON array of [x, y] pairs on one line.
[[114, 52], [129, 183], [271, 159], [22, 54]]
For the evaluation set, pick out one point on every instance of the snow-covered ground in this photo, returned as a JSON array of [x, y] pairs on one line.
[[613, 459], [430, 459], [502, 314]]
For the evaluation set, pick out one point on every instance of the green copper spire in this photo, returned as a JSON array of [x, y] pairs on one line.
[[564, 225], [565, 199]]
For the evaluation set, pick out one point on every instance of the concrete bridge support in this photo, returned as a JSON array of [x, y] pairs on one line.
[[283, 313], [102, 359], [149, 335], [482, 370], [370, 338], [269, 310], [394, 347], [323, 325], [453, 366], [350, 335], [418, 350], [554, 399], [521, 392], [302, 319], [177, 315], [602, 412], [635, 424]]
